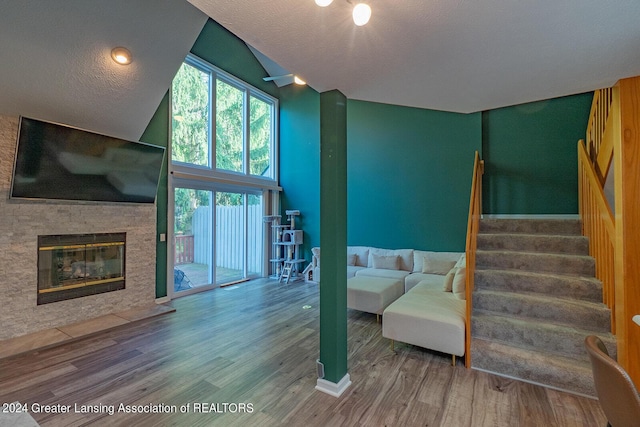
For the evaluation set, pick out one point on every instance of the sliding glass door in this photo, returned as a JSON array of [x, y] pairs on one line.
[[218, 238], [192, 239], [230, 237]]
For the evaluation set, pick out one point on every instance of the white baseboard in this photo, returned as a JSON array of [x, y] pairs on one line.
[[531, 216], [334, 389], [162, 300]]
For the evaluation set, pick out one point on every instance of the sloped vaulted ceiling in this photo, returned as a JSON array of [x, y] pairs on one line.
[[452, 55], [55, 60]]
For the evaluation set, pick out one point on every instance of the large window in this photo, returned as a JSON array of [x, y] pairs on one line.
[[222, 125], [223, 168]]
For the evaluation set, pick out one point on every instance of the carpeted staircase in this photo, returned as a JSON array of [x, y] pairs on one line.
[[535, 301]]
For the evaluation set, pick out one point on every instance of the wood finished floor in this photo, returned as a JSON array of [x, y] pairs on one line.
[[254, 343]]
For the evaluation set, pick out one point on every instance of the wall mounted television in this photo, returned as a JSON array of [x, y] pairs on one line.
[[60, 162]]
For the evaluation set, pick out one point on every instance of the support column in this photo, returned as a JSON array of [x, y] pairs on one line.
[[333, 244]]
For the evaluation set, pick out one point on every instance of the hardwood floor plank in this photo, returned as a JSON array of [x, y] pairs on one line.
[[256, 345]]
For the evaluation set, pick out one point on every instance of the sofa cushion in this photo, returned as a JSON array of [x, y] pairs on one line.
[[389, 262], [353, 269], [418, 259], [448, 280], [351, 259], [362, 255], [427, 285], [433, 265], [436, 281], [382, 272], [406, 257], [459, 283]]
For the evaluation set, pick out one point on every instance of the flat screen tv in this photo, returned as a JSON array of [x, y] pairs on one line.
[[60, 162]]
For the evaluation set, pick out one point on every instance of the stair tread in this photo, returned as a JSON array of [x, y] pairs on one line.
[[559, 276], [530, 253], [541, 243], [568, 264], [560, 310], [566, 373], [564, 227], [544, 298], [526, 353], [536, 322], [524, 331]]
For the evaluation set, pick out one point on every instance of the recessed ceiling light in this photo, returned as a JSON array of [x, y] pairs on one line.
[[323, 3], [121, 55]]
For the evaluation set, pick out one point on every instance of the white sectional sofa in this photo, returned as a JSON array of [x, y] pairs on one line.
[[431, 311], [404, 264]]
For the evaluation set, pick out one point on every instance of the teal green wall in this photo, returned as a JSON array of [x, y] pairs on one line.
[[219, 47], [409, 176], [300, 159], [409, 171], [157, 133], [530, 154]]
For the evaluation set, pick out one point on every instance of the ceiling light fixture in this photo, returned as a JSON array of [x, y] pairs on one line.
[[121, 55], [361, 14], [297, 80], [361, 11]]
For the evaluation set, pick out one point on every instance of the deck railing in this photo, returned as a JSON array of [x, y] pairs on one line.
[[183, 249], [473, 226]]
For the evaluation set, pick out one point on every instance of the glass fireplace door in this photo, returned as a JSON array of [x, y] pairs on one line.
[[76, 265]]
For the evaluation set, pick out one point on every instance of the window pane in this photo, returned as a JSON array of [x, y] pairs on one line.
[[229, 116], [190, 121], [260, 138], [230, 237], [192, 239]]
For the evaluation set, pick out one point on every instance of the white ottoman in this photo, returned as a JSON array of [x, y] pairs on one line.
[[372, 294], [427, 318]]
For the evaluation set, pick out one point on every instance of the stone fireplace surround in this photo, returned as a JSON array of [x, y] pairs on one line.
[[20, 224]]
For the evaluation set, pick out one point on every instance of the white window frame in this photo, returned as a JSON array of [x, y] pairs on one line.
[[211, 173]]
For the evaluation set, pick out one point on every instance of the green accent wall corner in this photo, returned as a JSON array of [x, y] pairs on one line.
[[157, 133], [530, 156], [409, 176]]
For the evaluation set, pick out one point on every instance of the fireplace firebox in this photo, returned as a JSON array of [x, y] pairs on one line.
[[77, 265]]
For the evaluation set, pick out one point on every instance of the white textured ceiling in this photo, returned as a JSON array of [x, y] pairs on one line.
[[452, 55], [55, 59]]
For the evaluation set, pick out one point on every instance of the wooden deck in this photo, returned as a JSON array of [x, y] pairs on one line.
[[256, 344]]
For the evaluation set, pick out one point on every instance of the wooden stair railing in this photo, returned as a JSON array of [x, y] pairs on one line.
[[598, 226], [613, 137], [600, 130], [473, 226]]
